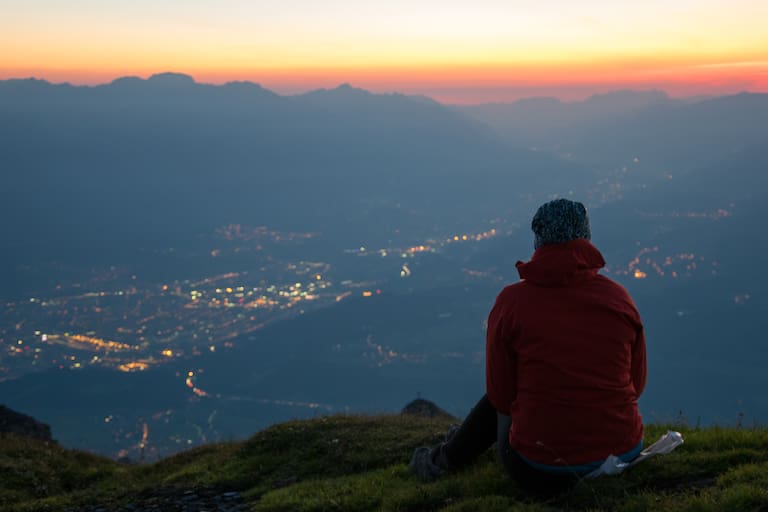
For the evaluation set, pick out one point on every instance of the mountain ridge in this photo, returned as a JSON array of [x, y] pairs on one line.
[[612, 99], [240, 147], [659, 132]]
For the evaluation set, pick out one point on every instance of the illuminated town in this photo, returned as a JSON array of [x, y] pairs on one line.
[[135, 327], [142, 325]]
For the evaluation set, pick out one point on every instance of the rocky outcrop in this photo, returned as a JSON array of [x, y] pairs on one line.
[[425, 408], [12, 422]]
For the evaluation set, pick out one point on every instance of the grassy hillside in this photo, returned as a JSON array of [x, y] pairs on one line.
[[359, 463]]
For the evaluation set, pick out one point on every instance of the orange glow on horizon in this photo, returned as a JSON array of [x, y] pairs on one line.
[[469, 84], [489, 50]]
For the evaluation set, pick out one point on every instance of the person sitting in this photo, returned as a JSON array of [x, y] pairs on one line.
[[565, 366]]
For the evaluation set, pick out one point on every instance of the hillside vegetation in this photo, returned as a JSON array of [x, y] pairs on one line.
[[359, 463]]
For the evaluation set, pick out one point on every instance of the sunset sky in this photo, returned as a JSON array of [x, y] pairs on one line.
[[454, 51]]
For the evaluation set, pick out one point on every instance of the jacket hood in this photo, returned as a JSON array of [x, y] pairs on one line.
[[562, 264]]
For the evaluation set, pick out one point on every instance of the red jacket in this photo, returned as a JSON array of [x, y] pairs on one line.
[[565, 358]]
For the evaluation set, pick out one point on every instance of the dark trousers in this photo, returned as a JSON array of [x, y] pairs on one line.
[[483, 427]]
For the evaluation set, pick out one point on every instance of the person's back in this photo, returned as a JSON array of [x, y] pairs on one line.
[[566, 359]]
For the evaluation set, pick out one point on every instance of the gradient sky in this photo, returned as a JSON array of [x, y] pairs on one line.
[[455, 51]]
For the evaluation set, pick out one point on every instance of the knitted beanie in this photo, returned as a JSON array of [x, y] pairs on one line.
[[560, 221]]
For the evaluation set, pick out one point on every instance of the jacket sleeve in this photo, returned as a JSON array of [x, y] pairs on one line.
[[639, 367], [500, 365]]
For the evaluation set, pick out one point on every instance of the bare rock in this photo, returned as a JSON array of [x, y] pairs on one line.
[[12, 422], [424, 408]]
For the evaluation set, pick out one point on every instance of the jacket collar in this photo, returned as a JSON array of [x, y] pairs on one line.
[[562, 264]]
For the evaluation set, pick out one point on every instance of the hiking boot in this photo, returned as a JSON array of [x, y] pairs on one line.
[[451, 432], [424, 466]]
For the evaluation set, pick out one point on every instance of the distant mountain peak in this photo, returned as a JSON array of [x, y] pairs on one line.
[[344, 88], [347, 88], [171, 79], [30, 80], [159, 79], [126, 80], [248, 89]]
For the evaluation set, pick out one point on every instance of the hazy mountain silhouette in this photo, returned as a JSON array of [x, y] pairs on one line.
[[612, 130], [153, 157], [537, 121]]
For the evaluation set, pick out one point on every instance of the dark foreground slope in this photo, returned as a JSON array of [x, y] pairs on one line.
[[359, 463]]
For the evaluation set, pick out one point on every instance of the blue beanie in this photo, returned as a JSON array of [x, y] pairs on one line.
[[560, 221]]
